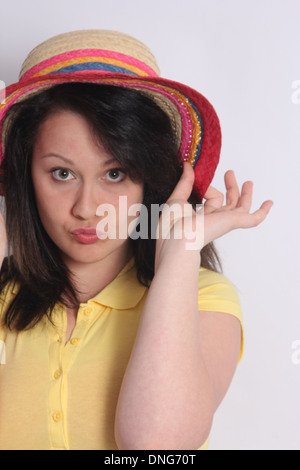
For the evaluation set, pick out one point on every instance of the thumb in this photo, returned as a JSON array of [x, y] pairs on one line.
[[184, 187]]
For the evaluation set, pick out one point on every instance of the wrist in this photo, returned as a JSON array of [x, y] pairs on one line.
[[184, 260]]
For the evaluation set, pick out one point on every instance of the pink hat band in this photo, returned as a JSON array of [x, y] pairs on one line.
[[90, 60]]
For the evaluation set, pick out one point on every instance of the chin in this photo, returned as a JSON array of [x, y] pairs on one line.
[[85, 256], [89, 254]]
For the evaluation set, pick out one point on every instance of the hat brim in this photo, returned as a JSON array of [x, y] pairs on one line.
[[194, 120]]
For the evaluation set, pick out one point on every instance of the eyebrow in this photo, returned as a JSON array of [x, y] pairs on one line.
[[56, 155], [70, 162], [110, 161]]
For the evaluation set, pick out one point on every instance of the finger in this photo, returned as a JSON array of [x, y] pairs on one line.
[[184, 186], [246, 220], [214, 200], [232, 189], [245, 200], [259, 216]]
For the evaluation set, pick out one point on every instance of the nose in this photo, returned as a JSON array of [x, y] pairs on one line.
[[85, 204]]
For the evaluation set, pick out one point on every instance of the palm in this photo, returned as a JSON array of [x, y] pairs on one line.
[[216, 218], [220, 219]]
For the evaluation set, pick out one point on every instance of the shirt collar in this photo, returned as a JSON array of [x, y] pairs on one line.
[[124, 292]]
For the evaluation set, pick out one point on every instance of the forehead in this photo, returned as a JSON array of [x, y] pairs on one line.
[[67, 133], [63, 123]]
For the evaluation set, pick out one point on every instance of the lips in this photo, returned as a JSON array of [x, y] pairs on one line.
[[86, 236]]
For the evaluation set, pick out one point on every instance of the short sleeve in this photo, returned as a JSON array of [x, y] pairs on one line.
[[217, 294]]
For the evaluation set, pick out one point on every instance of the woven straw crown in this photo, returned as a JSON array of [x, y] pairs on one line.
[[108, 47], [110, 57]]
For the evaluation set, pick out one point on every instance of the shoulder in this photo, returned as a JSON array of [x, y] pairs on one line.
[[218, 294]]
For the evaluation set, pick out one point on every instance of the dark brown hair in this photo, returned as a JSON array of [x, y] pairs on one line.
[[136, 132]]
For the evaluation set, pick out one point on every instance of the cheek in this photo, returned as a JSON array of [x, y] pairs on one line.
[[51, 208], [137, 195], [118, 216], [130, 210]]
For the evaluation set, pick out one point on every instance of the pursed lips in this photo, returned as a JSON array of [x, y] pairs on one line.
[[85, 235]]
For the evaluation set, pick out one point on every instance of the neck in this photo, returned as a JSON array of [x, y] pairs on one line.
[[91, 278]]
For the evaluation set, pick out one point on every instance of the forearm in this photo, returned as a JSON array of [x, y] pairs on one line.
[[166, 400]]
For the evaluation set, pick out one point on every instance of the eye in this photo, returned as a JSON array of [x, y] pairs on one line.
[[62, 174], [115, 175]]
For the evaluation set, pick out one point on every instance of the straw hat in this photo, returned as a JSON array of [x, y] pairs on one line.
[[110, 57]]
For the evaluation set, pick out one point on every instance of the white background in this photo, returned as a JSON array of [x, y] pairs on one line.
[[244, 57]]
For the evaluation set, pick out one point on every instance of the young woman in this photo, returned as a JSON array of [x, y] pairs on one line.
[[116, 342]]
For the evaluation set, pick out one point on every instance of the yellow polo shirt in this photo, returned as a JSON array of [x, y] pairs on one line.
[[63, 396]]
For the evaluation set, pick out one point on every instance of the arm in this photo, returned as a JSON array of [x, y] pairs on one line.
[[183, 360], [176, 378]]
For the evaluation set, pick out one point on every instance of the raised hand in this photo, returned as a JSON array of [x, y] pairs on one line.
[[220, 218], [215, 220]]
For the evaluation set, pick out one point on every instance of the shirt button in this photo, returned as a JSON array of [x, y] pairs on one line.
[[57, 374], [57, 416], [87, 312], [75, 341]]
